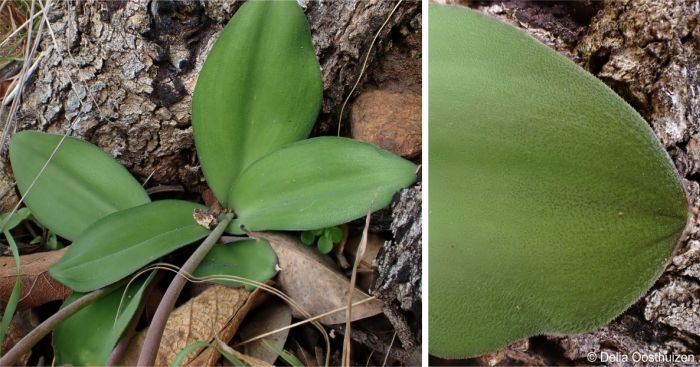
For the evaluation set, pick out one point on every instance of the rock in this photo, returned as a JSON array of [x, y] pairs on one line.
[[389, 119]]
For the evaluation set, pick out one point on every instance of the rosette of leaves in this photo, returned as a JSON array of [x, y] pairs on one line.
[[553, 205], [324, 238], [256, 100]]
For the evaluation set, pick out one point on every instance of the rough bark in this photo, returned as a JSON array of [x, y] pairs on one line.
[[649, 53], [121, 74]]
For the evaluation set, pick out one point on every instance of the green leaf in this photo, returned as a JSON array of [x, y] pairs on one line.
[[250, 259], [123, 242], [290, 358], [335, 234], [553, 207], [12, 302], [308, 238], [89, 336], [259, 89], [192, 347], [317, 183], [16, 219], [52, 242], [325, 245], [80, 185]]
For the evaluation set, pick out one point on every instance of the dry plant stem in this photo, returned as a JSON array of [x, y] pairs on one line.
[[155, 330], [353, 279], [26, 343]]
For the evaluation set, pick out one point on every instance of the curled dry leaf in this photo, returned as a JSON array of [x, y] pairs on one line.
[[270, 317], [314, 282], [218, 310], [38, 287]]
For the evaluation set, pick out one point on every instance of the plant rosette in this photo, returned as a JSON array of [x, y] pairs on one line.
[[256, 99]]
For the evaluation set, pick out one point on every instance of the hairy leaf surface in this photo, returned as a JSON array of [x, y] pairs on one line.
[[553, 206], [317, 183], [80, 185], [260, 88], [121, 243]]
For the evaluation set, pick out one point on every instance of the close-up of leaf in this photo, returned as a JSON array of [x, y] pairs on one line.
[[249, 259], [88, 337], [80, 185], [260, 88], [14, 220], [317, 183], [553, 207], [121, 243]]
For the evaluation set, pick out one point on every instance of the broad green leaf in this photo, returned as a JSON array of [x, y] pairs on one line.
[[89, 336], [80, 185], [16, 219], [553, 207], [317, 183], [250, 259], [259, 89], [121, 243]]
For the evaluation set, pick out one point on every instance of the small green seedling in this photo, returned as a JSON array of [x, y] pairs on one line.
[[553, 207], [256, 100], [324, 238]]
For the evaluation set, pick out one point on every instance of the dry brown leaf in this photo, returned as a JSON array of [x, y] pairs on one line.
[[22, 323], [196, 320], [37, 285], [270, 317], [314, 282], [374, 243], [365, 269], [210, 356]]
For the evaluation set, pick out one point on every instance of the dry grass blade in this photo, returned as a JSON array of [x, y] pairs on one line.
[[393, 338], [364, 64], [32, 44], [15, 31], [361, 248]]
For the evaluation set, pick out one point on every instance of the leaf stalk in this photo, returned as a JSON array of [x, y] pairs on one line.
[[151, 344]]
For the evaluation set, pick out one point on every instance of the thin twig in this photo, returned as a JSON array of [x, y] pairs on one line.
[[364, 64], [155, 330], [302, 322], [353, 279], [23, 76], [18, 29], [164, 188], [393, 338], [39, 332]]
